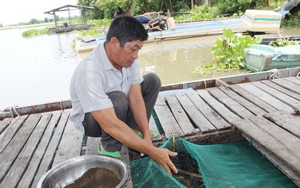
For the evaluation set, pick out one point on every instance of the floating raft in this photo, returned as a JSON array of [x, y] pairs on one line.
[[207, 112]]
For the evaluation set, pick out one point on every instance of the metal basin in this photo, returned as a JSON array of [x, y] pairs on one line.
[[68, 171]]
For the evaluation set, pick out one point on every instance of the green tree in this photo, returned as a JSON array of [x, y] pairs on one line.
[[234, 6], [142, 6], [33, 21], [135, 7], [108, 7], [91, 14]]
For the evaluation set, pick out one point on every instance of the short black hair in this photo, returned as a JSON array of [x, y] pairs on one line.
[[126, 29]]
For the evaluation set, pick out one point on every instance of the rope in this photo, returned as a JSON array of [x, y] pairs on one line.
[[61, 106], [13, 111], [274, 74]]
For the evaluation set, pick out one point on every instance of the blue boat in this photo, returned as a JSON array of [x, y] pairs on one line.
[[261, 57]]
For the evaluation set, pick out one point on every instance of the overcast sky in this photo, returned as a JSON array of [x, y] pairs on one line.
[[15, 11]]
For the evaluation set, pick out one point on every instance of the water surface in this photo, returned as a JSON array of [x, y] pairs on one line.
[[38, 70]]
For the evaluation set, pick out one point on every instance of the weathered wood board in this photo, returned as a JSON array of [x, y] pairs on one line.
[[226, 114], [277, 139], [279, 105], [217, 121], [254, 99], [180, 115], [196, 116], [32, 144], [166, 119], [230, 103], [242, 101]]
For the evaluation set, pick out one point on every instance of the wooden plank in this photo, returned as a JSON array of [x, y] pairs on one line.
[[293, 175], [242, 101], [166, 119], [267, 140], [286, 121], [254, 99], [125, 157], [92, 145], [12, 150], [20, 164], [70, 144], [179, 114], [266, 97], [288, 85], [152, 125], [8, 120], [32, 168], [277, 94], [228, 115], [230, 103], [197, 117], [287, 139], [208, 112], [47, 160], [9, 133], [281, 89], [3, 126], [295, 80]]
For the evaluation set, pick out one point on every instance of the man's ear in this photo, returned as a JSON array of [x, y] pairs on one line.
[[114, 41]]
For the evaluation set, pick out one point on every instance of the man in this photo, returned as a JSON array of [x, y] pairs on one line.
[[111, 99]]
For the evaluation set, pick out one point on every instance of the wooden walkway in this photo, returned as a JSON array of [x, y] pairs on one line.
[[31, 144]]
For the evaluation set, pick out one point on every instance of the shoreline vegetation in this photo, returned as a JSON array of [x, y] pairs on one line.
[[185, 14]]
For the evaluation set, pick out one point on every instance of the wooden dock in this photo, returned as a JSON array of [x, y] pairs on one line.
[[31, 144]]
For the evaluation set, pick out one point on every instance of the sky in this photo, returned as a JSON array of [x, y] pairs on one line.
[[16, 11]]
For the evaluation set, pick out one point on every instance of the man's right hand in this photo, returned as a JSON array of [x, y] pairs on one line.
[[162, 157]]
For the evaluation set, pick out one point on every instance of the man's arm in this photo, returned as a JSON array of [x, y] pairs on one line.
[[124, 134], [137, 106]]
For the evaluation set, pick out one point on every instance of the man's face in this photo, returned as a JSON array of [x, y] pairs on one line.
[[125, 56]]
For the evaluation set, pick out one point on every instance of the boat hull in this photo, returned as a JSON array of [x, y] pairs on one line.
[[264, 57]]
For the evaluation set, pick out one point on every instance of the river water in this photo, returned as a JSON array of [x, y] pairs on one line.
[[38, 70]]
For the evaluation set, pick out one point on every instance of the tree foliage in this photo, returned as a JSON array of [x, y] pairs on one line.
[[135, 7], [228, 52], [234, 6]]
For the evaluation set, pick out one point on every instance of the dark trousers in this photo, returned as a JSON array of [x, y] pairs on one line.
[[150, 89]]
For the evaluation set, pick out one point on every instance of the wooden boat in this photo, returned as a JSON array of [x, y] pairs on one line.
[[35, 138], [182, 30], [265, 57]]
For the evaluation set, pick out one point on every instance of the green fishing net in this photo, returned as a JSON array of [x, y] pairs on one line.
[[231, 165]]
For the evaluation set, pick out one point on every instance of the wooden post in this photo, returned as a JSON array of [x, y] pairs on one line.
[[55, 19], [69, 15], [84, 16]]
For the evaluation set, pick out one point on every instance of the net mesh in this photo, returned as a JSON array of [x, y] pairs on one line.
[[231, 165]]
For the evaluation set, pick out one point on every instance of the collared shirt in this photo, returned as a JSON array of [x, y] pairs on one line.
[[93, 78]]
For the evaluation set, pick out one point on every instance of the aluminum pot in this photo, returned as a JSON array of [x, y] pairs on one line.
[[68, 171]]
